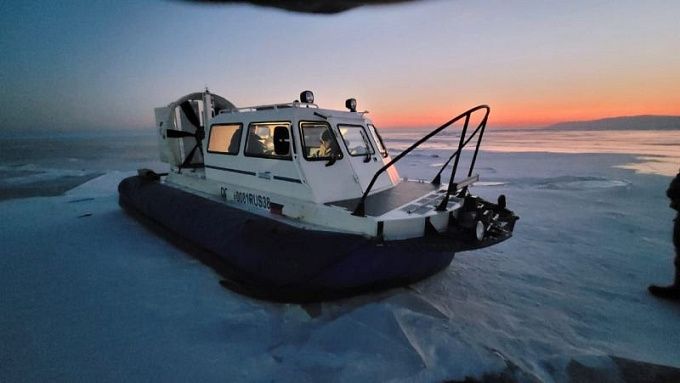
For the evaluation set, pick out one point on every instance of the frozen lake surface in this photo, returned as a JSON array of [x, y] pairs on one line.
[[89, 294]]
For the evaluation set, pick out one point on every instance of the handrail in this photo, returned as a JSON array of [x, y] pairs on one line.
[[360, 210], [256, 108]]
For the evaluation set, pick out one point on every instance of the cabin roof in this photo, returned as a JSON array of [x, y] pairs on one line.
[[293, 109]]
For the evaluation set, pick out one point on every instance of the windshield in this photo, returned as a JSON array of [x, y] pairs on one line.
[[355, 139]]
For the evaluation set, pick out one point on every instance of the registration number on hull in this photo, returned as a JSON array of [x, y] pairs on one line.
[[249, 199]]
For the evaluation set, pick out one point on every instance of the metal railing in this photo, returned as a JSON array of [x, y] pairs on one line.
[[360, 210], [256, 108]]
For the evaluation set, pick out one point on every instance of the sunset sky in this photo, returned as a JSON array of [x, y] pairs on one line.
[[106, 64]]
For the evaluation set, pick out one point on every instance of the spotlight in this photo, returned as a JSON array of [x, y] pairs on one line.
[[307, 97], [351, 104]]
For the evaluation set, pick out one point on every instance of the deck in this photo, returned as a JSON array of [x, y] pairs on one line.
[[387, 200]]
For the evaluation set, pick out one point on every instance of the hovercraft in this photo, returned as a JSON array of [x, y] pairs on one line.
[[303, 203]]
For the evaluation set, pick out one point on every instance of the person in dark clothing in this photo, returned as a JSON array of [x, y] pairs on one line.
[[672, 291]]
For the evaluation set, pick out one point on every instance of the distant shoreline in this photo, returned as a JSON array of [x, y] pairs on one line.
[[646, 122], [75, 134]]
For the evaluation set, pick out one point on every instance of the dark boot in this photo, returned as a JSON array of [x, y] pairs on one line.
[[665, 292], [672, 291], [676, 261]]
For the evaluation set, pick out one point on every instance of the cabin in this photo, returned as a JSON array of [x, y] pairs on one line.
[[296, 149]]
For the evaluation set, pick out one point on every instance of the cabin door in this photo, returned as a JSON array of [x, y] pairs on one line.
[[328, 170], [362, 156]]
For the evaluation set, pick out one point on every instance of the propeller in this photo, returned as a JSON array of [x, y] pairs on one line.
[[172, 133], [198, 134]]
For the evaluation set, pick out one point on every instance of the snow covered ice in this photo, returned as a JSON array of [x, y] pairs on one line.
[[87, 293]]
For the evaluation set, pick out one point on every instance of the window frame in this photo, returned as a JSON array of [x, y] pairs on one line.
[[240, 138], [378, 138], [271, 157], [366, 140], [303, 146]]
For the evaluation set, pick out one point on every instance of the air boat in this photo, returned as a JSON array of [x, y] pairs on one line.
[[303, 203]]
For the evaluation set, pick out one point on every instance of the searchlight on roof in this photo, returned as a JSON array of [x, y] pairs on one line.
[[307, 97]]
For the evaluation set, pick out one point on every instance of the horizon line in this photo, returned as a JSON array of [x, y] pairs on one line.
[[12, 133]]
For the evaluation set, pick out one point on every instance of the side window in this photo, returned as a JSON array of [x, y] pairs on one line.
[[355, 139], [318, 142], [224, 138], [378, 140], [260, 140]]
